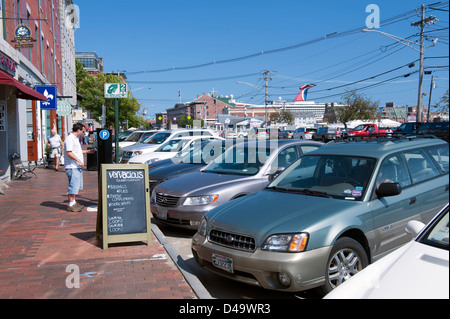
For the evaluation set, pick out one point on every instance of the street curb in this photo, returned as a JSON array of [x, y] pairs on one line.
[[192, 280]]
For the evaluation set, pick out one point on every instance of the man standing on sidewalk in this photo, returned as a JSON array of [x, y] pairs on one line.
[[73, 163], [55, 143]]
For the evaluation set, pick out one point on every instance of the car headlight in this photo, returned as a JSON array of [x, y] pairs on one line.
[[153, 160], [286, 242], [136, 153], [200, 200], [202, 227], [153, 198]]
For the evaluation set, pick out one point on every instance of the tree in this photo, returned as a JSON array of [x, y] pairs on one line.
[[90, 89], [283, 116], [356, 107], [443, 104]]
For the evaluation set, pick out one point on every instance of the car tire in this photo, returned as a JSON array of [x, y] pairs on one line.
[[346, 259]]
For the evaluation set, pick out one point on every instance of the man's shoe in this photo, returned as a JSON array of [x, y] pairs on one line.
[[75, 208]]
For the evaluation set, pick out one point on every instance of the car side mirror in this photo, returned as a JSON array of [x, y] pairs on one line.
[[414, 227], [276, 173], [388, 189]]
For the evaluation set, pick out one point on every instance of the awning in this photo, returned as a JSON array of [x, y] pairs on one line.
[[23, 91]]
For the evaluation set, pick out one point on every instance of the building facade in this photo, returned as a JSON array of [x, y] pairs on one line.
[[32, 46]]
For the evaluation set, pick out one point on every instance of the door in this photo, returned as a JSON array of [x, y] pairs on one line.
[[390, 214], [32, 145]]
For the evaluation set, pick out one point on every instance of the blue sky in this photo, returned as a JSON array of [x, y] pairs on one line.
[[142, 37]]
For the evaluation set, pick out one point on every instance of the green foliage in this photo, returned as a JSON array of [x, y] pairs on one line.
[[356, 107], [283, 116], [443, 104], [90, 90]]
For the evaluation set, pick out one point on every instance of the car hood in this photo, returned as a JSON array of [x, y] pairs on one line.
[[150, 154], [414, 271], [199, 183], [175, 169], [268, 212], [140, 147]]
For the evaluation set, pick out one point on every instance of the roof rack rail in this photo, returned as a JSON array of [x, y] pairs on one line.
[[382, 137]]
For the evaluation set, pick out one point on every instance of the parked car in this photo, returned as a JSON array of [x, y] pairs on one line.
[[261, 133], [188, 161], [438, 129], [170, 149], [303, 133], [364, 130], [235, 134], [325, 133], [157, 139], [286, 134], [243, 169], [135, 137], [328, 215], [409, 127], [418, 270]]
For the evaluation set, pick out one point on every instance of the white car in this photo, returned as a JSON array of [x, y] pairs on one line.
[[155, 141], [135, 137], [303, 133], [170, 149], [417, 270]]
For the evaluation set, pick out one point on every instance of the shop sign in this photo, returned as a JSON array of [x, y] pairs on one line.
[[49, 91], [7, 65], [23, 37], [2, 116]]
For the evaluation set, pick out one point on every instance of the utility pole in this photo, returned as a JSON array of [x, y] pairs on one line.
[[266, 78], [421, 24]]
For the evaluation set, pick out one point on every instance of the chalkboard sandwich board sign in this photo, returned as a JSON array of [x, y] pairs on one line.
[[124, 204]]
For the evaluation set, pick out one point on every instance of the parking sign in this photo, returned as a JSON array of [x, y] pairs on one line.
[[104, 134], [116, 90]]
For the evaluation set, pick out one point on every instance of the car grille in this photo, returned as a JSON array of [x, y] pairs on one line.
[[232, 240], [166, 201]]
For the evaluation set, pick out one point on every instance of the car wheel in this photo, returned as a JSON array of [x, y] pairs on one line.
[[347, 258]]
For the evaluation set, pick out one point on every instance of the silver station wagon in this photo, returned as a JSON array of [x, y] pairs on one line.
[[328, 215], [246, 168]]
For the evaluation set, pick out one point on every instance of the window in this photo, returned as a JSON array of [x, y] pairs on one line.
[[440, 155], [308, 148], [393, 170], [285, 158], [420, 166]]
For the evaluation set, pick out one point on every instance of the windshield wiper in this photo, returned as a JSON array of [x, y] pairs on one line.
[[307, 191]]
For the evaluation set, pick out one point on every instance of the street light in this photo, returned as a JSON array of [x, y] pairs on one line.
[[421, 51]]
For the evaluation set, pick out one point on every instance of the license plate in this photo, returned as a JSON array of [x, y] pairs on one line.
[[222, 262], [161, 213]]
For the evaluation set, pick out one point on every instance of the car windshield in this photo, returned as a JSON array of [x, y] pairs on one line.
[[437, 235], [341, 177], [174, 145], [134, 137], [158, 138], [243, 159], [203, 155], [145, 137]]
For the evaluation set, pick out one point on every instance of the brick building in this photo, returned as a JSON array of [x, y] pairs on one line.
[[38, 43]]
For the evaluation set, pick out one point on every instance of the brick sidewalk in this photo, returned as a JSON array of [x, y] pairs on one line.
[[39, 239]]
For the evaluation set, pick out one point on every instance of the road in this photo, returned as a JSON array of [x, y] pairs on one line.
[[217, 286]]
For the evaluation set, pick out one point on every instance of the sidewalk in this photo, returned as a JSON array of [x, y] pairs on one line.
[[42, 245]]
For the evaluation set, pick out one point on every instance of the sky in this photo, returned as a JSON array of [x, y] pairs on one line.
[[176, 50]]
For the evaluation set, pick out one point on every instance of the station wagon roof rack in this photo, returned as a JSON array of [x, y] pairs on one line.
[[387, 137]]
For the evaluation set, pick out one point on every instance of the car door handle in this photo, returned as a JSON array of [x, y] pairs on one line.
[[412, 201], [446, 188]]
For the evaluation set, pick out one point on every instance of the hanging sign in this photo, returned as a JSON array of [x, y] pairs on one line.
[[63, 108], [49, 91], [23, 37]]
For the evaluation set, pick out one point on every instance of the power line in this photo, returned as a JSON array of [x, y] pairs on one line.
[[395, 19]]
